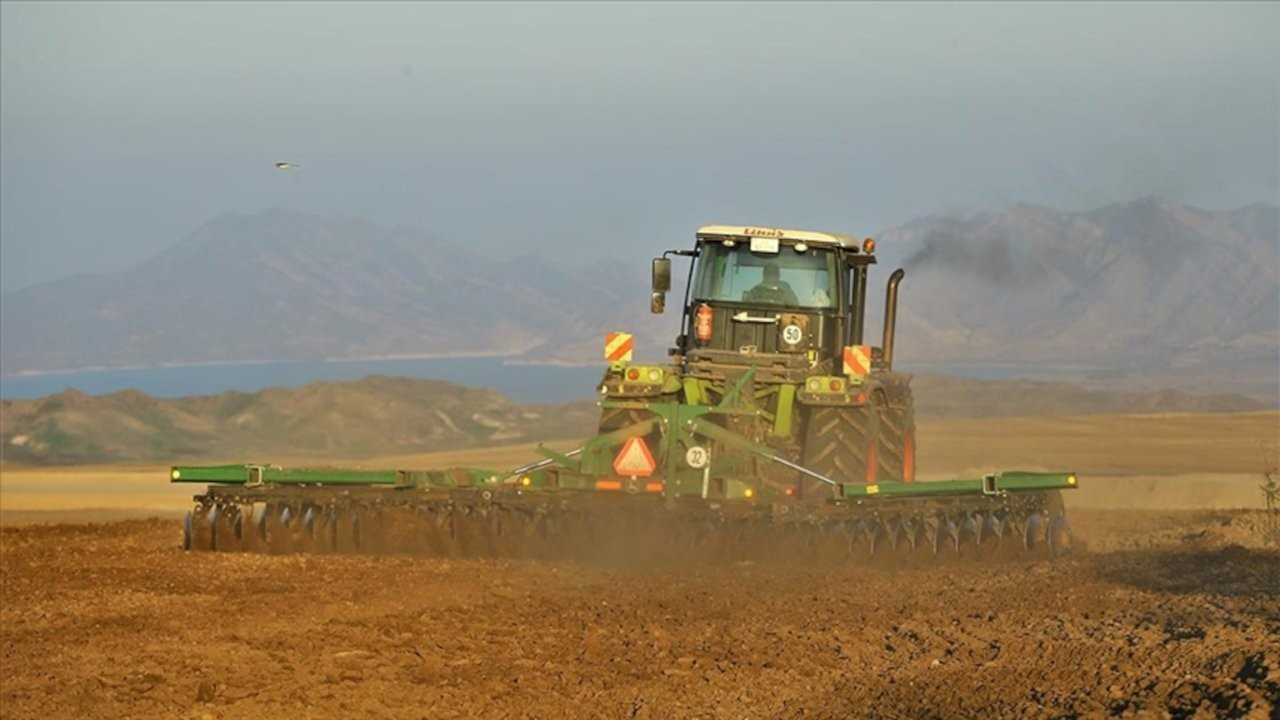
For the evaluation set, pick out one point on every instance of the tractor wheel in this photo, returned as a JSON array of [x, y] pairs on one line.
[[839, 443], [897, 445]]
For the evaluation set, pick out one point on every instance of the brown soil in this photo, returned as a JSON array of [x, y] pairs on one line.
[[1173, 610], [1166, 614]]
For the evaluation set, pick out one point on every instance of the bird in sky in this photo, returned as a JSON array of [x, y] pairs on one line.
[[287, 165]]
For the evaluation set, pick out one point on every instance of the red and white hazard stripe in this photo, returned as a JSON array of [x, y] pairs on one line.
[[857, 360], [618, 346]]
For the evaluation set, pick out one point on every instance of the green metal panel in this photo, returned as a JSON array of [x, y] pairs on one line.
[[559, 459], [786, 403], [1024, 480], [1016, 481], [330, 477], [695, 391], [569, 481], [241, 475], [209, 473], [730, 398]]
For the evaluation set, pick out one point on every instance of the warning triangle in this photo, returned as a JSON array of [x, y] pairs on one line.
[[634, 459]]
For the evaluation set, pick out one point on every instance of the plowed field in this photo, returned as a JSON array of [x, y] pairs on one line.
[[113, 620], [1164, 613]]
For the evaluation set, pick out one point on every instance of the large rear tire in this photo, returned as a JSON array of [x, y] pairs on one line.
[[839, 443], [896, 450]]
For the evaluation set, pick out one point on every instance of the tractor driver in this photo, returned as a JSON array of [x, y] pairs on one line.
[[772, 289]]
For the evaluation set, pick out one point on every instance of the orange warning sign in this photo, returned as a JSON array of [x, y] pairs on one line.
[[857, 360], [634, 459], [618, 346]]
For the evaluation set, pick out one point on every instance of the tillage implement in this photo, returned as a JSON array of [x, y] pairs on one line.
[[773, 429]]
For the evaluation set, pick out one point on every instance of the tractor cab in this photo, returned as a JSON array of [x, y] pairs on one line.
[[769, 296]]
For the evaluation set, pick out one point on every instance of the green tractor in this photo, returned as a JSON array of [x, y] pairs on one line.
[[774, 320], [772, 420]]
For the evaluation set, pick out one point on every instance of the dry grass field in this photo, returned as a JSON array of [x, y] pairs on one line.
[[1183, 461]]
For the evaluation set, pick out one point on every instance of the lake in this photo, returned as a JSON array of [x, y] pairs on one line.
[[522, 383]]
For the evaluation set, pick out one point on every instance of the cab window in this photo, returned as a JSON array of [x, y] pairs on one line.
[[788, 278]]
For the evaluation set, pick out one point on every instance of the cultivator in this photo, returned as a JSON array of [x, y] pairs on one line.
[[462, 513], [561, 508], [774, 432]]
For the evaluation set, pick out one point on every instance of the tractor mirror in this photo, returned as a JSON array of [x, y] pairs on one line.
[[661, 284], [661, 274]]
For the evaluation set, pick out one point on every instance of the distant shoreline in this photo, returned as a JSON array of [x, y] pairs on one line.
[[513, 360], [522, 379]]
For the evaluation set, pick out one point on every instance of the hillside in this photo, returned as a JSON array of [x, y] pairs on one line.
[[1146, 293], [284, 286], [380, 416], [374, 416]]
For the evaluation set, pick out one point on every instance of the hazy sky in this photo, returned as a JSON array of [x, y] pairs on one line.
[[612, 129]]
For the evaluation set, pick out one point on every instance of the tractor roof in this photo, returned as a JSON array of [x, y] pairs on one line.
[[809, 236]]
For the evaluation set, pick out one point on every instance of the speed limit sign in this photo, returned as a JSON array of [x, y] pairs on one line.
[[697, 457], [792, 334]]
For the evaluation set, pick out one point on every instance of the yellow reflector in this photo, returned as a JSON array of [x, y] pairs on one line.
[[177, 474], [873, 489], [526, 481], [1071, 479], [608, 484], [749, 492]]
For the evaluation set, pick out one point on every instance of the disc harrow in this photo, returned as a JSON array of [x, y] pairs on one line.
[[514, 521]]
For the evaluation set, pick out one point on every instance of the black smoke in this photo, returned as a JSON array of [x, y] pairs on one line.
[[992, 259]]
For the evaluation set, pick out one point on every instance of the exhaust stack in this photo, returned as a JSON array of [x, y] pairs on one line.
[[890, 316]]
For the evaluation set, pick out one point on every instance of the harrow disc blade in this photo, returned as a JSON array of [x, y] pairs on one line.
[[894, 532], [874, 533], [1031, 531], [912, 529], [309, 522], [953, 533], [1058, 536], [331, 529], [969, 528], [994, 526], [187, 531], [286, 516], [262, 523], [939, 536]]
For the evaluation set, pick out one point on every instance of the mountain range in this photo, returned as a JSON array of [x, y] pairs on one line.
[[1144, 294], [284, 286]]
